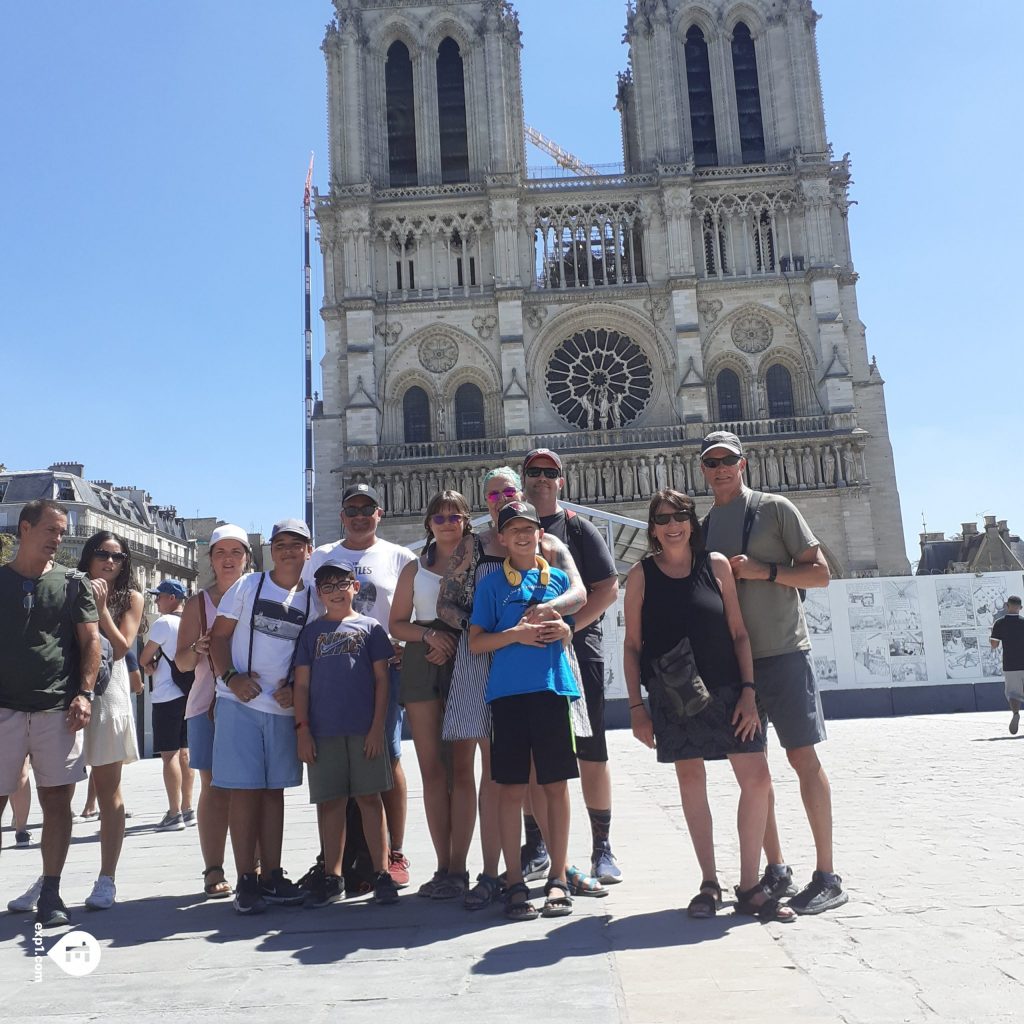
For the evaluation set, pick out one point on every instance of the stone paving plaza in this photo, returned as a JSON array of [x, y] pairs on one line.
[[928, 810]]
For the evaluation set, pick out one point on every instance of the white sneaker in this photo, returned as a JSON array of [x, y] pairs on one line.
[[103, 894], [171, 823], [26, 904]]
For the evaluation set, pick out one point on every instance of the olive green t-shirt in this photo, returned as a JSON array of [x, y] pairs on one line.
[[773, 613], [38, 646]]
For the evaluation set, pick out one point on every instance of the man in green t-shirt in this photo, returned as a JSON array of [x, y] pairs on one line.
[[49, 657], [774, 554]]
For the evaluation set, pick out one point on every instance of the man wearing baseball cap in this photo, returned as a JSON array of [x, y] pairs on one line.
[[542, 482], [252, 644], [774, 554], [170, 738], [378, 563]]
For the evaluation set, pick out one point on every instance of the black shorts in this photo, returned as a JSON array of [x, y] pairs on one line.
[[537, 726], [169, 729], [593, 748]]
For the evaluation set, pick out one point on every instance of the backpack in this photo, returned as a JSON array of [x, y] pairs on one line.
[[182, 680], [73, 578]]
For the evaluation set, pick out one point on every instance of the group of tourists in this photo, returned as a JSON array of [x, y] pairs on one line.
[[487, 642]]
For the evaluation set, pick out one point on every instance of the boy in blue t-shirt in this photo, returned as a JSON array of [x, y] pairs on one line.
[[529, 689], [341, 703]]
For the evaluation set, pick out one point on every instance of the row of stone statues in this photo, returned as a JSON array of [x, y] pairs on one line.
[[635, 478]]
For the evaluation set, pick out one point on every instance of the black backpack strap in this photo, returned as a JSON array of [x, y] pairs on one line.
[[748, 518], [252, 620], [295, 649]]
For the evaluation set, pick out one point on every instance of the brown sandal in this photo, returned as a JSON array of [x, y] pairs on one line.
[[216, 890]]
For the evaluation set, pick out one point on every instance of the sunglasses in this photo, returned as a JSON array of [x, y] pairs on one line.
[[508, 492], [549, 473], [28, 601], [110, 556], [664, 518], [330, 588], [440, 519], [358, 511], [725, 460]]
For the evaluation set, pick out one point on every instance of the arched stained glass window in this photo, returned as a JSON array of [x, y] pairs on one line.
[[416, 414], [469, 413], [730, 401], [779, 385]]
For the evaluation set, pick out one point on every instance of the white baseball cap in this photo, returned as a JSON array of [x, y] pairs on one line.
[[229, 532]]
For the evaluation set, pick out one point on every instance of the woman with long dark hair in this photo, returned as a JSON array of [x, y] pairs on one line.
[[110, 740], [680, 590]]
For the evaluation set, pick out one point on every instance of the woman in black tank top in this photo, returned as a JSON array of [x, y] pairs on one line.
[[682, 590]]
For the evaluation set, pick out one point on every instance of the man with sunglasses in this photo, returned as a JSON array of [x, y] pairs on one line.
[[377, 563], [49, 657], [774, 554], [542, 483]]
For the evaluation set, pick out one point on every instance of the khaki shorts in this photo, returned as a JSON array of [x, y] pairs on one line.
[[43, 736], [341, 770], [1013, 685]]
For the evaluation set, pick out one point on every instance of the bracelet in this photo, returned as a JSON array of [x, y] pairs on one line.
[[747, 686], [226, 677], [192, 646], [633, 707], [773, 571]]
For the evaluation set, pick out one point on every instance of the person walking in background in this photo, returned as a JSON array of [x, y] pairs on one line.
[[110, 740], [1008, 630], [21, 807], [49, 658], [170, 740], [230, 556], [679, 590], [773, 554]]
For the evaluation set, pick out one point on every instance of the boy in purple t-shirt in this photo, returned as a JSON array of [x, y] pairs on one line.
[[341, 702]]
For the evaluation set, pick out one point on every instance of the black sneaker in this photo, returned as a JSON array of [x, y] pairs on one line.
[[314, 877], [247, 896], [50, 910], [278, 889], [825, 892], [330, 890], [384, 889], [779, 884]]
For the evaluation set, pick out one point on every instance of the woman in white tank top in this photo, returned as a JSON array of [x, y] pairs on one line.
[[230, 558], [426, 675]]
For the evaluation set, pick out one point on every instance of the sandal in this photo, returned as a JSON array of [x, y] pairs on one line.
[[520, 910], [705, 904], [451, 887], [557, 906], [582, 884], [428, 887], [769, 910], [216, 890], [486, 891]]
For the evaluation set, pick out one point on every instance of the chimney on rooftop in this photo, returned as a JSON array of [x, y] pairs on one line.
[[74, 468]]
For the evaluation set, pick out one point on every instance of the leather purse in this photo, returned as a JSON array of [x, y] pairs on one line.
[[676, 683]]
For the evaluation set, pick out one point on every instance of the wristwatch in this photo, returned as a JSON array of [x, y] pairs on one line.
[[773, 571], [89, 695]]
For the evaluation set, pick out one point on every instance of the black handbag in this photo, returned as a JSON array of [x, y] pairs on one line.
[[676, 683]]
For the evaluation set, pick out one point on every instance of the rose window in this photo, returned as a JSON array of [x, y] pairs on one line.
[[599, 380]]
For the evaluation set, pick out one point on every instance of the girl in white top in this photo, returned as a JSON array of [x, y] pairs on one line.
[[426, 674], [110, 735], [230, 557]]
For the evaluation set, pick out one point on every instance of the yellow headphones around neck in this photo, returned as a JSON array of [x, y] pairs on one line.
[[515, 577]]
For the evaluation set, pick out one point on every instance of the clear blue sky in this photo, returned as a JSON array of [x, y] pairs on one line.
[[151, 172]]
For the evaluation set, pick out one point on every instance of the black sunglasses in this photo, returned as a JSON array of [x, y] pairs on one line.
[[550, 473], [663, 518], [110, 556], [725, 460], [355, 511]]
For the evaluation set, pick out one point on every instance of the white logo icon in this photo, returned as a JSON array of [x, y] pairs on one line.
[[76, 953]]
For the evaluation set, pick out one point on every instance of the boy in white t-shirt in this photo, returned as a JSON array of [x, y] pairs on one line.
[[252, 644]]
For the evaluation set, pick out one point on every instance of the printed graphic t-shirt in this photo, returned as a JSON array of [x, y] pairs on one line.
[[340, 657], [273, 624], [377, 569], [516, 669]]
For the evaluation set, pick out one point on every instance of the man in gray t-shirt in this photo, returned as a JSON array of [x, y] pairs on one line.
[[774, 554]]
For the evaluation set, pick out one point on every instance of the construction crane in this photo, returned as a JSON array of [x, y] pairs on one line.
[[561, 157]]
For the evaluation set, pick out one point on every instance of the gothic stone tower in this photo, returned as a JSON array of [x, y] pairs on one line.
[[474, 311]]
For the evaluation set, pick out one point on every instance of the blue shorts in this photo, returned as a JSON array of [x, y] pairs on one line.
[[254, 749], [200, 742], [396, 716]]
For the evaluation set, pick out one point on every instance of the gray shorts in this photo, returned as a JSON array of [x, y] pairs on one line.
[[788, 694], [1014, 684]]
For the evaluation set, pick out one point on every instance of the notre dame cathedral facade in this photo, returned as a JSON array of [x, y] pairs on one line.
[[475, 310]]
